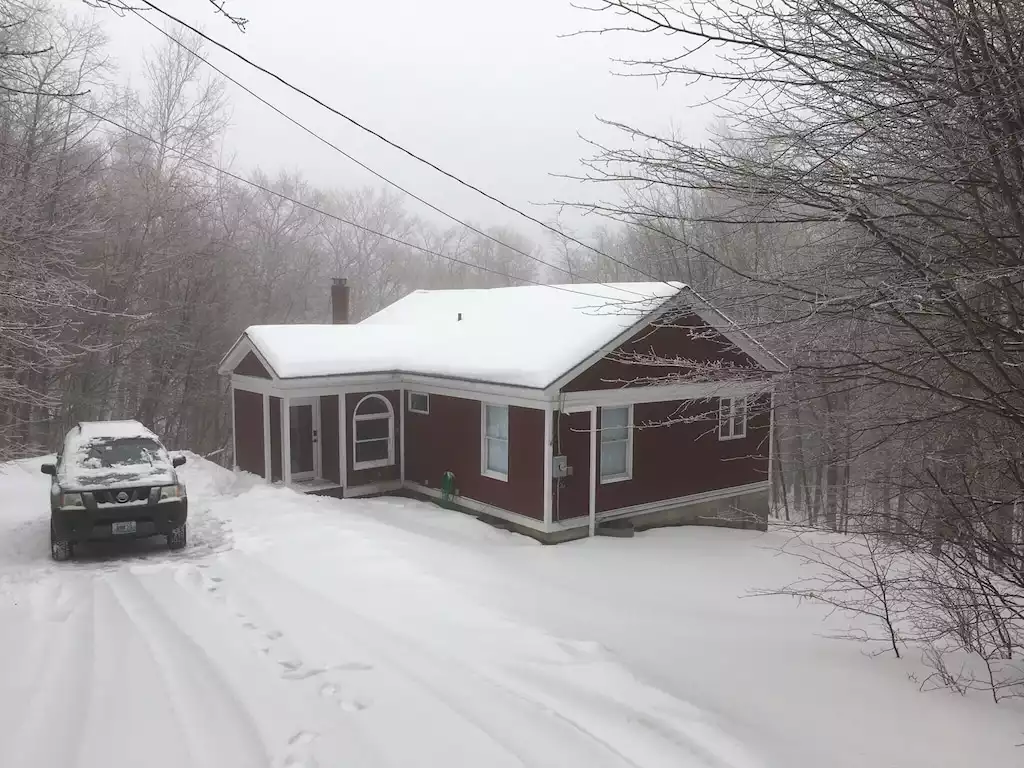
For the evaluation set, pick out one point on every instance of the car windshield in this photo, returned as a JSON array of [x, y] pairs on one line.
[[120, 452]]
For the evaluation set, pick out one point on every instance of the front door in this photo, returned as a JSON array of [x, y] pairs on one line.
[[303, 436]]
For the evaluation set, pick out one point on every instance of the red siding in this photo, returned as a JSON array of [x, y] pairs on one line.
[[249, 431], [571, 495], [687, 338], [449, 439], [378, 474], [275, 439], [330, 460], [671, 460], [251, 366]]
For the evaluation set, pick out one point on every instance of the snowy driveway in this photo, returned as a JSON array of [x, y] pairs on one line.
[[297, 631]]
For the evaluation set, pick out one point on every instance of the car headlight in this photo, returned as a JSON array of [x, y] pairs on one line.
[[172, 492], [72, 500]]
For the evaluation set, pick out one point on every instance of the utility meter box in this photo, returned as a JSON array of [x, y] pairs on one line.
[[560, 467]]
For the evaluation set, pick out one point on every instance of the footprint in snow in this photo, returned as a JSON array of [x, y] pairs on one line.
[[348, 704], [300, 757]]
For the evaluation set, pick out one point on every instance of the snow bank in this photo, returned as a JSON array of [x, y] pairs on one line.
[[524, 336]]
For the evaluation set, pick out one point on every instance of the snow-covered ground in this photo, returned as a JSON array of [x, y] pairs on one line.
[[297, 631]]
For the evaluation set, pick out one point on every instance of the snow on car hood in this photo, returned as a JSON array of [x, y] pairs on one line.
[[87, 478]]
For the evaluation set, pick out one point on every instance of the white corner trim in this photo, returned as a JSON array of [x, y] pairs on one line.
[[234, 429], [593, 471], [549, 458], [267, 473], [483, 508]]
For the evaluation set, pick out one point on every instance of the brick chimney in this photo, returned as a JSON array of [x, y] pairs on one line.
[[339, 301]]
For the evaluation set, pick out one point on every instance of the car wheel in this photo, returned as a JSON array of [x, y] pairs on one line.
[[60, 550], [177, 537]]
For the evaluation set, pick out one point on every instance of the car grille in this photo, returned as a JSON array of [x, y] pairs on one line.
[[113, 496]]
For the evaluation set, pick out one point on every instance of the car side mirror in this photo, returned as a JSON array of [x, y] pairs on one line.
[[48, 469], [177, 461]]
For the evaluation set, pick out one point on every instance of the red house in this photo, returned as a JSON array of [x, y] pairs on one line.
[[556, 408]]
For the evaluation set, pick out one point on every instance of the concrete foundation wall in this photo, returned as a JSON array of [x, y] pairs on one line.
[[749, 510]]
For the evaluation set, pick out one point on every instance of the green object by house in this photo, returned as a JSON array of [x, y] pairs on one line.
[[448, 489]]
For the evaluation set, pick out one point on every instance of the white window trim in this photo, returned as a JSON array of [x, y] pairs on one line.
[[731, 418], [426, 411], [629, 446], [356, 418], [503, 476]]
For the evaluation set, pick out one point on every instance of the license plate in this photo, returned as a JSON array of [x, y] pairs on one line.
[[125, 527]]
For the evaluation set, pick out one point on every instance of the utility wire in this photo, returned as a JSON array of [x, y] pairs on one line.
[[342, 152], [397, 146], [313, 208]]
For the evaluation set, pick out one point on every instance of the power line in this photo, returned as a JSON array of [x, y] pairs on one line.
[[397, 146], [345, 154], [313, 208]]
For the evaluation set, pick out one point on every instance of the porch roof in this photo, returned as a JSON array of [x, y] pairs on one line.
[[523, 336]]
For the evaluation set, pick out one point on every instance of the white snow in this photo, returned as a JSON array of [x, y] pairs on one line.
[[80, 470], [525, 336], [302, 632]]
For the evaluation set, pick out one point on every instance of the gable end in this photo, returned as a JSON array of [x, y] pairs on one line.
[[250, 365], [686, 338]]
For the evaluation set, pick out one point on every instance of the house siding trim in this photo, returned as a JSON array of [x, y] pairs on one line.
[[549, 462], [582, 401], [267, 458]]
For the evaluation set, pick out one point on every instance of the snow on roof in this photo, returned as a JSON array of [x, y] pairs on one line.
[[113, 430], [524, 336]]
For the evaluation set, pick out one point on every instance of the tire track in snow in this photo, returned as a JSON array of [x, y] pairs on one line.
[[55, 704], [659, 729], [217, 727], [525, 729]]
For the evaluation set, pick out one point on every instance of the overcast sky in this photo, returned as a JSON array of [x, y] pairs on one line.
[[490, 91]]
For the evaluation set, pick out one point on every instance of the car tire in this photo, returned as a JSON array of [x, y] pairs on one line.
[[177, 538], [60, 550]]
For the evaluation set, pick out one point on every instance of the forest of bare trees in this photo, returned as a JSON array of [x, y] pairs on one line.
[[131, 264], [860, 208]]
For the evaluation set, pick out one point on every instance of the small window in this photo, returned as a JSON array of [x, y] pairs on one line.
[[495, 441], [732, 418], [373, 429], [616, 444], [419, 402]]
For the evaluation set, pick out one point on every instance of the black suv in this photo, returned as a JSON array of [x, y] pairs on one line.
[[114, 480]]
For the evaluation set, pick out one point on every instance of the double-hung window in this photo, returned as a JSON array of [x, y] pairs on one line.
[[495, 441], [732, 418], [616, 444]]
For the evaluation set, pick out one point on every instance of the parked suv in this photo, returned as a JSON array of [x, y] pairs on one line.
[[114, 480]]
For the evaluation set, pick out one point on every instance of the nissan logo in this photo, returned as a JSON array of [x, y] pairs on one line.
[[122, 497]]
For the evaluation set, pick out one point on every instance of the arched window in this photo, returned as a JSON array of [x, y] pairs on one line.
[[373, 430]]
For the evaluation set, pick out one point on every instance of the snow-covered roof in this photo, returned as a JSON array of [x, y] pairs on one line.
[[523, 336]]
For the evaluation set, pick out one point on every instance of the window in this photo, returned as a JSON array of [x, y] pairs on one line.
[[373, 427], [495, 441], [616, 444], [419, 402], [732, 418]]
